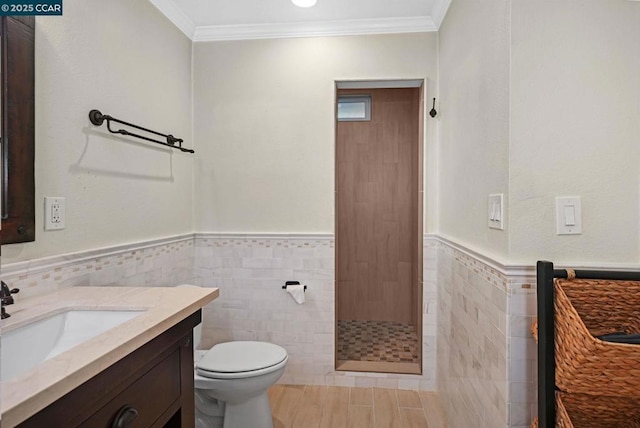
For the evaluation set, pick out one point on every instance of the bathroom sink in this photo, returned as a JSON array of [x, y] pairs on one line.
[[25, 347]]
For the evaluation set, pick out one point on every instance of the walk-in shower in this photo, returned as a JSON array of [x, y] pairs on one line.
[[379, 138]]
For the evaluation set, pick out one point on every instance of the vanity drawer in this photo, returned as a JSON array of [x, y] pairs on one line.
[[150, 396]]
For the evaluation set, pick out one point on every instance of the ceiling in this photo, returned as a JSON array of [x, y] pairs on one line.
[[207, 20]]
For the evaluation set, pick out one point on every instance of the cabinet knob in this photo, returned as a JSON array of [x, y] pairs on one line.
[[124, 417], [21, 230], [186, 342]]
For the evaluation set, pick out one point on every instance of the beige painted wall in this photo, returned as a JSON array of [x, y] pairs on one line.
[[129, 61], [264, 123], [575, 128], [538, 100], [474, 122]]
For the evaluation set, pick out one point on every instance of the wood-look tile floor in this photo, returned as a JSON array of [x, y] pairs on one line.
[[299, 406]]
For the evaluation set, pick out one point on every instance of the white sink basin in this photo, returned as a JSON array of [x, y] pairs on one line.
[[25, 347]]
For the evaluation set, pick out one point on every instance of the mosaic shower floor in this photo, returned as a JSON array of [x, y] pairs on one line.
[[380, 341]]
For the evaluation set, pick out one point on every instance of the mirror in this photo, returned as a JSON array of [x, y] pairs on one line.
[[17, 128]]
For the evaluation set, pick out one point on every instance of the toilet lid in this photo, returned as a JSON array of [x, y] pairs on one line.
[[237, 357]]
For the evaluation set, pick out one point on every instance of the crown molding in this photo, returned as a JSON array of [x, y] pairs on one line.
[[174, 14], [353, 27], [439, 11], [314, 29]]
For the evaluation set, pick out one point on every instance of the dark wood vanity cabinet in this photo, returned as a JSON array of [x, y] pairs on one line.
[[17, 95], [151, 387]]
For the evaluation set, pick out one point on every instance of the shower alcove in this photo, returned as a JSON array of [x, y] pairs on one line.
[[379, 194]]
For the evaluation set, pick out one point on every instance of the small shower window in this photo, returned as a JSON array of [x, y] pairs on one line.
[[352, 108]]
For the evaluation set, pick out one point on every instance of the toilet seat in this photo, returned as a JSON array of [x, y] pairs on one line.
[[242, 359]]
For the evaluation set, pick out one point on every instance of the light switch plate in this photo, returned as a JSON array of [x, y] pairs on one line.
[[568, 215], [54, 213], [496, 211]]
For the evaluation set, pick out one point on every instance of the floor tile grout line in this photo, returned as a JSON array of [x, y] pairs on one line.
[[405, 417], [424, 413], [398, 404], [373, 408]]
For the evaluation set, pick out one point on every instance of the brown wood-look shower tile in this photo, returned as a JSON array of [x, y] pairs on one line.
[[375, 176]]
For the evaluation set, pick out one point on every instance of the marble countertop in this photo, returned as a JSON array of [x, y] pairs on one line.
[[164, 307]]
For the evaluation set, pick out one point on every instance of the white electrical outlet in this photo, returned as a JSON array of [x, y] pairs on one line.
[[54, 213]]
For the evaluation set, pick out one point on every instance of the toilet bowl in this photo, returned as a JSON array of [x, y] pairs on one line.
[[231, 381]]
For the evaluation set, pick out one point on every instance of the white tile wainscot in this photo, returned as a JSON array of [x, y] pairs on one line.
[[472, 340], [250, 271], [487, 357], [479, 311], [161, 262], [522, 352]]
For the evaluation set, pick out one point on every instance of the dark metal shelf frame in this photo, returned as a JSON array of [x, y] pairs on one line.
[[546, 339]]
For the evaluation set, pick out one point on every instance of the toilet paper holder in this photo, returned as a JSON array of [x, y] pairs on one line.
[[284, 287]]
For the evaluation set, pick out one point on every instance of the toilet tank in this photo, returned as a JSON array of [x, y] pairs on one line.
[[197, 336]]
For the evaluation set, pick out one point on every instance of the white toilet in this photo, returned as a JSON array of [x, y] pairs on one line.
[[231, 383]]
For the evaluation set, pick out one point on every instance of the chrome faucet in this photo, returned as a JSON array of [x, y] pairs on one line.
[[6, 298]]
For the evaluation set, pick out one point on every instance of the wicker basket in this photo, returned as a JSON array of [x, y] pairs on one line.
[[587, 308], [588, 411]]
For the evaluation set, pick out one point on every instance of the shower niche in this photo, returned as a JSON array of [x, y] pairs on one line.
[[379, 216]]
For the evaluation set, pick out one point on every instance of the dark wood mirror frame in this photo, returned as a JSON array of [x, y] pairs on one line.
[[18, 123]]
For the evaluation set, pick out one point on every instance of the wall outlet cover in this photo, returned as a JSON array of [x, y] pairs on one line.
[[54, 213], [568, 215]]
